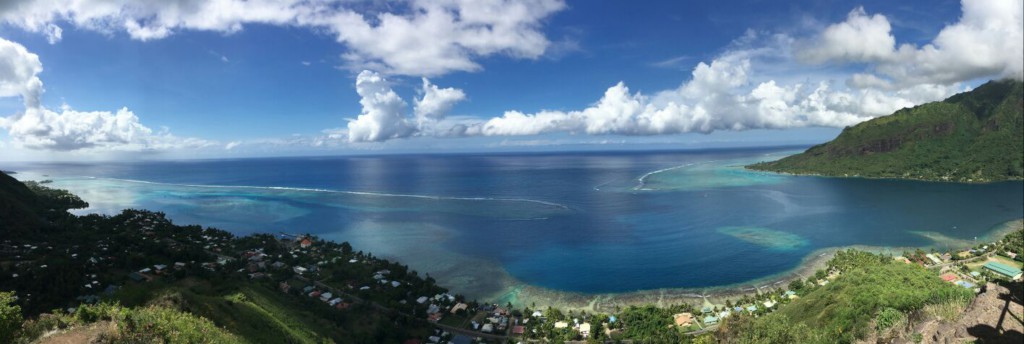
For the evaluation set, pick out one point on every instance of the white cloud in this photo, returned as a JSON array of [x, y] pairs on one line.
[[986, 42], [18, 70], [861, 38], [436, 102], [40, 128], [722, 95], [425, 37], [383, 111]]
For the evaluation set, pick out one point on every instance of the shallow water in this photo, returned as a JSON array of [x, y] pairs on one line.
[[579, 222]]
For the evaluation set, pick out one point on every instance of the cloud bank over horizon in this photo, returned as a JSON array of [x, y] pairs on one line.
[[831, 75], [731, 92], [37, 127]]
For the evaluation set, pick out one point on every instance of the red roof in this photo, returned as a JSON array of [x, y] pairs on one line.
[[948, 277], [305, 242], [518, 330]]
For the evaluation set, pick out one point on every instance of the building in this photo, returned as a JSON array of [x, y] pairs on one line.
[[585, 329], [949, 277], [305, 243], [561, 324], [710, 320], [1003, 270]]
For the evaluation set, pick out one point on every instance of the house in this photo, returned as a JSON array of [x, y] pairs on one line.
[[315, 293], [487, 328], [561, 324], [395, 284], [1011, 255], [518, 330], [949, 277], [305, 243], [422, 299], [326, 296], [140, 277], [585, 329], [769, 304], [946, 257], [791, 294], [933, 258], [537, 314], [683, 319], [751, 308], [334, 301], [299, 270], [433, 309], [179, 265], [459, 306], [1003, 270], [710, 320]]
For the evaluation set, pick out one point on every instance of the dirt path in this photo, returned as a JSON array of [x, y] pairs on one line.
[[78, 335]]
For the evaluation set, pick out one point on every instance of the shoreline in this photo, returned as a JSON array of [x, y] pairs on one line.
[[521, 294], [819, 175]]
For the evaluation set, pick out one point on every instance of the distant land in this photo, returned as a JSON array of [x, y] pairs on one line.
[[975, 136]]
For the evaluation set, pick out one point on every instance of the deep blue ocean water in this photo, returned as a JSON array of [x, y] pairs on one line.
[[584, 222]]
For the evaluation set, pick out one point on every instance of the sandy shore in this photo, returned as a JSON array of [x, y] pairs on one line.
[[521, 294]]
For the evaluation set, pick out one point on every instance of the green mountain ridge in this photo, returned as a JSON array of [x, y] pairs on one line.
[[975, 136]]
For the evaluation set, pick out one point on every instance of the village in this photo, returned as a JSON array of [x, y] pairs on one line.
[[146, 247]]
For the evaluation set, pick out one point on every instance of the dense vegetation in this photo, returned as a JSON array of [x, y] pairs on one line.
[[872, 288], [976, 136], [58, 265]]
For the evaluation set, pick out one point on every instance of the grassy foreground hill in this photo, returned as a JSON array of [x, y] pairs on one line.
[[976, 136]]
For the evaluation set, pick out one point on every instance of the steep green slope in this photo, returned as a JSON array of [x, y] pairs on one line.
[[18, 208], [976, 136]]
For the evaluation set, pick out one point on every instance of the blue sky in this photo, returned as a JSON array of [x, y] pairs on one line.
[[230, 78]]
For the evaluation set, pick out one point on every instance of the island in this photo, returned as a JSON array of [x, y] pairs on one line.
[[975, 136]]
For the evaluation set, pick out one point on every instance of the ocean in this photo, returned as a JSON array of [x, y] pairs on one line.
[[586, 223]]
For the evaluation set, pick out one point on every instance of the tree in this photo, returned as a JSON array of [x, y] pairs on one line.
[[796, 285], [10, 317]]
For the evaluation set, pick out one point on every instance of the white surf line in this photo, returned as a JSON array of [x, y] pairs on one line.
[[641, 180], [360, 193]]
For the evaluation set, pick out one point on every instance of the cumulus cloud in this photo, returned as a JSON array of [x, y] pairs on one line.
[[861, 38], [40, 128], [383, 111], [987, 41], [424, 37], [436, 102], [383, 114], [18, 73]]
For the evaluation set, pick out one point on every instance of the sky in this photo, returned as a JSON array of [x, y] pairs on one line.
[[124, 80]]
